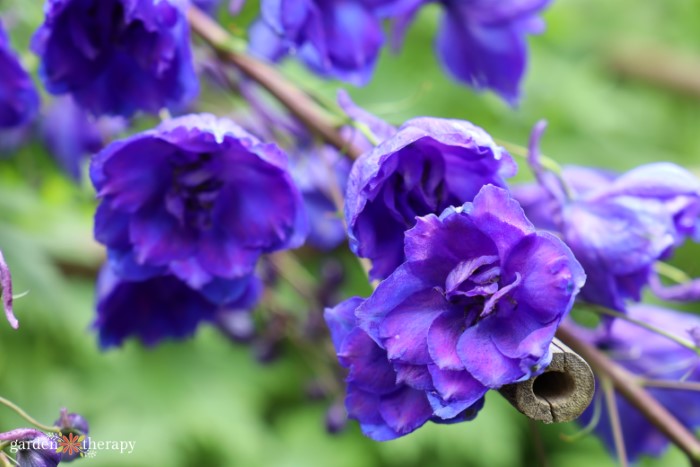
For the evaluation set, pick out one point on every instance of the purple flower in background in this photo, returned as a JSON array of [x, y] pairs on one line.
[[321, 174], [6, 291], [159, 307], [19, 100], [34, 448], [71, 135], [338, 39], [197, 197], [428, 165], [387, 400], [72, 423], [208, 6], [475, 306], [482, 43], [651, 356], [618, 226], [117, 56]]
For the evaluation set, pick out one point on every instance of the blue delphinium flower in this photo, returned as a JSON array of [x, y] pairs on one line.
[[339, 39], [117, 56], [160, 307], [19, 100], [655, 357], [618, 226], [426, 166], [475, 306], [34, 448], [71, 135], [482, 43]]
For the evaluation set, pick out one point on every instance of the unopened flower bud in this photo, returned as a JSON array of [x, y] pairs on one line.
[[336, 418]]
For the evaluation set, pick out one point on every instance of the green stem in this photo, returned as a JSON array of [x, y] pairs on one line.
[[649, 327], [671, 272], [27, 417], [614, 416]]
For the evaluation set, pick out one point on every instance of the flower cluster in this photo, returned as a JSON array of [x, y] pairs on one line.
[[117, 56], [480, 43], [186, 210], [474, 307]]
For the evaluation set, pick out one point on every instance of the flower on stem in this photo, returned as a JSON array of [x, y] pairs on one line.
[[474, 307], [481, 43], [618, 226], [72, 423], [199, 198], [117, 56], [651, 357], [19, 100], [426, 166]]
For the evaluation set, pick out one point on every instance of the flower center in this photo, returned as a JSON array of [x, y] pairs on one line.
[[194, 190], [475, 285], [417, 190]]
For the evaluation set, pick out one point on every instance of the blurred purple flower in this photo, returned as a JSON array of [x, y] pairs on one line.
[[618, 226], [475, 306], [482, 43], [160, 307], [71, 135], [71, 423], [35, 449], [652, 356], [6, 291], [19, 100], [428, 165], [334, 38], [318, 172], [207, 6], [117, 56], [197, 197]]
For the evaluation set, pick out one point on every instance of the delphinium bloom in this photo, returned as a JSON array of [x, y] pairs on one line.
[[160, 307], [71, 135], [426, 166], [34, 448], [117, 56], [482, 43], [19, 100], [618, 226], [654, 357], [321, 173], [474, 307], [334, 38], [197, 197]]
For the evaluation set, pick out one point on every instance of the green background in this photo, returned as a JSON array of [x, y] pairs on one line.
[[207, 401]]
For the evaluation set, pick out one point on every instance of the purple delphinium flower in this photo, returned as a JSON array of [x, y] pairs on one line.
[[117, 56], [321, 174], [618, 226], [651, 356], [198, 197], [475, 306], [387, 400], [482, 43], [71, 135], [334, 38], [428, 165], [34, 448], [19, 100], [160, 307]]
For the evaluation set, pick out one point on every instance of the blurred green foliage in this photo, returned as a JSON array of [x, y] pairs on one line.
[[206, 402]]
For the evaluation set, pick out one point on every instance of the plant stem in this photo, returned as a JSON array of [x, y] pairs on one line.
[[626, 384], [615, 425], [670, 384], [27, 417]]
